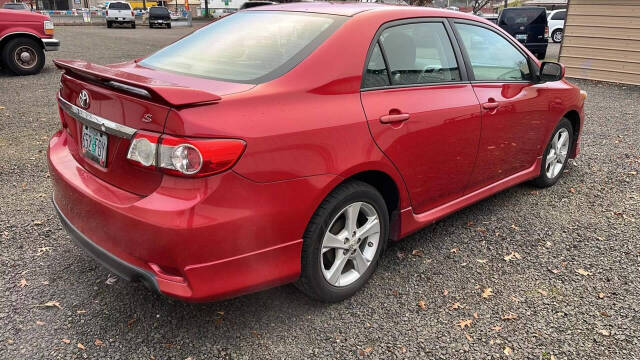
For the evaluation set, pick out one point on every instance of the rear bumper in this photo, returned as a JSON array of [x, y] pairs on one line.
[[51, 44], [193, 239], [108, 260]]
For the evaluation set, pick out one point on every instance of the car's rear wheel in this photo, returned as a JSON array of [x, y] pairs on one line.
[[133, 24], [109, 24], [556, 155], [23, 56], [168, 26], [557, 36], [343, 242]]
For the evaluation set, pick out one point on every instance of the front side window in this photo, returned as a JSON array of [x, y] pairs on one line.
[[248, 47], [492, 57], [419, 53]]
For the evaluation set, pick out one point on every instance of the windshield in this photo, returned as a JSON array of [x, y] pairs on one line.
[[247, 47]]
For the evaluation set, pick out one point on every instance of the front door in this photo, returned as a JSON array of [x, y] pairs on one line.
[[421, 110], [514, 109]]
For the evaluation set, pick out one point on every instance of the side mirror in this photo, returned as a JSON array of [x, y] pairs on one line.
[[551, 71]]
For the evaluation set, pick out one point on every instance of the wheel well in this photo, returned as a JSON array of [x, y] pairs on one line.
[[389, 191], [574, 118], [9, 37]]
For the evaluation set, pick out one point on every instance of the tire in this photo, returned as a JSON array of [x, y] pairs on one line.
[[133, 24], [168, 26], [28, 64], [557, 34], [331, 217], [109, 25], [546, 177]]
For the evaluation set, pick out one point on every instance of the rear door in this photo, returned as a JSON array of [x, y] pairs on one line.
[[514, 109], [421, 109]]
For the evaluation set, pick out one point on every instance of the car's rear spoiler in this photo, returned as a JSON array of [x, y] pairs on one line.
[[137, 84]]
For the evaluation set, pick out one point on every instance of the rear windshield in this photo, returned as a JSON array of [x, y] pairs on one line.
[[247, 47], [158, 11], [119, 6], [523, 17]]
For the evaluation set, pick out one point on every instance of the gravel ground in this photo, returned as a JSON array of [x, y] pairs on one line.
[[570, 289]]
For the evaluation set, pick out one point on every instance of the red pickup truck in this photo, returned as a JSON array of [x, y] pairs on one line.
[[24, 37]]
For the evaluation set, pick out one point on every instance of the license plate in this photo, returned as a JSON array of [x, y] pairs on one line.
[[94, 145], [521, 36]]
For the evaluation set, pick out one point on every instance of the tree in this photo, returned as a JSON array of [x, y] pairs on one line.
[[477, 5]]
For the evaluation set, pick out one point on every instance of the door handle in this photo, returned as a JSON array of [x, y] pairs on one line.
[[491, 105], [387, 119]]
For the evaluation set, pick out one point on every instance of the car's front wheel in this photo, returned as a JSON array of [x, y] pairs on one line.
[[556, 155], [23, 56], [343, 242], [557, 36]]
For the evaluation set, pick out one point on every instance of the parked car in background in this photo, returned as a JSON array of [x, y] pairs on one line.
[[491, 17], [556, 21], [120, 12], [529, 26], [235, 159], [159, 16], [24, 37], [252, 4], [16, 6]]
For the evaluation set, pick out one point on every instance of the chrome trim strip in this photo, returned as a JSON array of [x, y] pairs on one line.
[[96, 121]]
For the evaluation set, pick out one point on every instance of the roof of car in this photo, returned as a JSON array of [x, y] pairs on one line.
[[353, 8]]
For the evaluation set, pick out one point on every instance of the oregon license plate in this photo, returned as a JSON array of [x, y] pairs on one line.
[[94, 145], [521, 36]]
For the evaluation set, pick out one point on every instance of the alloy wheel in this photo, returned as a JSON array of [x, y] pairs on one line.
[[350, 244], [557, 36], [557, 153]]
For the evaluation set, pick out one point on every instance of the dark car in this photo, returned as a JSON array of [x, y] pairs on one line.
[[529, 26], [159, 16], [252, 4], [16, 6]]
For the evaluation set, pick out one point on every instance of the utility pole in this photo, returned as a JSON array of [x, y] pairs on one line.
[[206, 8], [506, 3]]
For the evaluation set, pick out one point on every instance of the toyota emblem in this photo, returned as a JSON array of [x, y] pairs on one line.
[[83, 99]]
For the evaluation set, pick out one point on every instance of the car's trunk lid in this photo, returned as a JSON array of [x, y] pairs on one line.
[[108, 104]]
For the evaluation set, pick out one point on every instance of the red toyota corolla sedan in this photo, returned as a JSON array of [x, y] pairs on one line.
[[290, 143]]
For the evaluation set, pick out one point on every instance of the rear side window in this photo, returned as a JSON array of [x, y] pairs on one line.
[[523, 17], [376, 74], [417, 54], [560, 15], [119, 6], [247, 47], [492, 57]]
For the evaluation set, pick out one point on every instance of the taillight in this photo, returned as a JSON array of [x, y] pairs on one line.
[[182, 156], [546, 32], [107, 13], [132, 14]]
